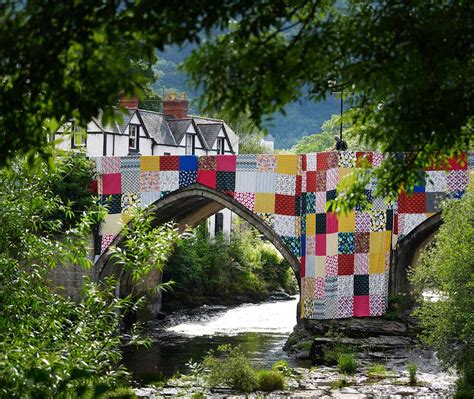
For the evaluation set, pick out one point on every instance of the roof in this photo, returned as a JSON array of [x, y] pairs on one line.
[[210, 132], [179, 127], [268, 137], [157, 127]]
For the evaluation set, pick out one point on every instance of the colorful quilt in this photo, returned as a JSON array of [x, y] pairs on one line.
[[344, 258]]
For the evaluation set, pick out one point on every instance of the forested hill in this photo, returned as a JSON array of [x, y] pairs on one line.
[[301, 119]]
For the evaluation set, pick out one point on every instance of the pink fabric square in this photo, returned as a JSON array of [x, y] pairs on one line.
[[331, 222], [320, 202], [246, 199], [361, 306], [320, 287], [106, 241], [361, 263], [320, 244], [331, 266], [226, 163], [112, 183]]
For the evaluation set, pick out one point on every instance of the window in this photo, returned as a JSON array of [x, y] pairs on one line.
[[219, 225], [133, 137], [79, 137], [220, 145], [167, 153], [190, 144]]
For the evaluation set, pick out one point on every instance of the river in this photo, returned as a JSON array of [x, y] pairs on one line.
[[261, 330]]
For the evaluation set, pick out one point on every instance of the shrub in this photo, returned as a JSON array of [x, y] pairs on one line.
[[412, 369], [270, 380], [377, 371], [347, 363], [232, 369], [283, 368]]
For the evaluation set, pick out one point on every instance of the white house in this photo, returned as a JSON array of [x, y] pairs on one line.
[[171, 132]]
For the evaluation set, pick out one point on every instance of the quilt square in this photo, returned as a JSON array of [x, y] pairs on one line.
[[346, 243], [331, 265], [265, 203], [266, 163], [247, 162], [433, 202], [320, 202], [131, 181], [287, 164], [311, 224], [321, 244], [320, 287], [188, 162], [436, 180], [346, 264], [285, 204], [331, 244], [311, 245], [311, 182], [361, 263], [187, 177], [225, 181], [284, 225], [376, 262], [377, 220], [266, 182], [108, 165], [320, 266], [207, 162], [378, 283], [169, 180], [361, 284], [246, 199], [363, 222], [457, 180], [149, 198], [321, 180], [361, 306], [130, 200], [320, 223], [332, 179], [169, 162], [149, 163], [226, 163], [345, 285], [207, 178], [346, 222], [364, 159], [362, 241], [322, 160], [332, 223], [377, 304], [331, 195], [149, 182], [246, 182], [113, 203], [112, 183], [347, 159], [311, 162], [411, 203], [285, 184], [345, 306]]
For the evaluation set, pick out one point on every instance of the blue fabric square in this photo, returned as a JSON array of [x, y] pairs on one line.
[[188, 162], [303, 244], [187, 177], [346, 243]]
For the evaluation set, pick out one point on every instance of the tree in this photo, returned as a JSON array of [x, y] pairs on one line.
[[407, 70], [447, 268]]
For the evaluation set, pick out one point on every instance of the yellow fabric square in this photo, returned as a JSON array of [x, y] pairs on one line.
[[114, 223], [331, 244], [320, 266], [265, 202], [311, 224], [380, 241], [287, 164], [346, 175], [149, 163], [376, 262], [346, 222]]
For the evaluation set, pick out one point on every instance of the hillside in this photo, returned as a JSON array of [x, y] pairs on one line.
[[301, 119]]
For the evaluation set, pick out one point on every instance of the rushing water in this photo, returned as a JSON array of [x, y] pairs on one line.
[[260, 329]]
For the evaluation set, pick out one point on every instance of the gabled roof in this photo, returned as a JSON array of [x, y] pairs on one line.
[[210, 132], [158, 128], [232, 138], [179, 127]]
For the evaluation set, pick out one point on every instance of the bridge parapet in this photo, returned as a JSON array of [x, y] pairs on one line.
[[345, 259]]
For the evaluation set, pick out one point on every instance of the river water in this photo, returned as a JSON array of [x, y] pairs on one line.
[[261, 330]]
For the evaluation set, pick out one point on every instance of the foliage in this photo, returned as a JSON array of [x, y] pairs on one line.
[[270, 380], [377, 371], [241, 265], [145, 248], [447, 268], [412, 369], [347, 363], [338, 384], [232, 369], [282, 367], [404, 84]]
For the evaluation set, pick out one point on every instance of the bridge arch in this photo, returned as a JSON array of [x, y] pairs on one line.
[[406, 253], [189, 206]]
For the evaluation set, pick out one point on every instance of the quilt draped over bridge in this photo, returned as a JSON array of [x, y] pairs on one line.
[[344, 259]]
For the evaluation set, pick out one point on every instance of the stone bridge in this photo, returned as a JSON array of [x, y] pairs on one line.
[[342, 262]]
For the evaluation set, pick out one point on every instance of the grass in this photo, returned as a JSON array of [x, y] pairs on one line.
[[269, 380], [347, 363], [377, 371], [338, 384], [412, 369]]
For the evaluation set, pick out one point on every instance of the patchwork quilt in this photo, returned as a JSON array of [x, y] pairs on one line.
[[344, 258]]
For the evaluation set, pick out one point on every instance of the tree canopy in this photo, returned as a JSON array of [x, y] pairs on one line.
[[406, 68]]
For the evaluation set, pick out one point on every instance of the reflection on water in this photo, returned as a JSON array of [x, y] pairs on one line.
[[260, 329]]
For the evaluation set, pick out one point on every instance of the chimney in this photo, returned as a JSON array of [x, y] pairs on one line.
[[128, 102], [175, 106]]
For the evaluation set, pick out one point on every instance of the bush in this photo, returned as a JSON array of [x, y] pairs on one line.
[[447, 268], [232, 369], [412, 369], [377, 371], [347, 363], [269, 380]]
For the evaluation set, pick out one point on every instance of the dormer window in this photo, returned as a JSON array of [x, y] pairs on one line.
[[133, 137], [79, 137], [220, 145], [190, 144]]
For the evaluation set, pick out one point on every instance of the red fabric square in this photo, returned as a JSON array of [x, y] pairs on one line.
[[112, 183], [395, 224], [321, 181], [412, 203], [169, 162], [226, 163], [361, 306], [322, 161], [207, 177], [298, 185], [284, 204], [310, 182], [303, 266], [364, 158], [346, 264], [303, 162], [332, 224], [320, 244], [93, 187], [459, 162]]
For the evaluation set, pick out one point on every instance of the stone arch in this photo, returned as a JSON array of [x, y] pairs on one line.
[[189, 206], [406, 252]]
